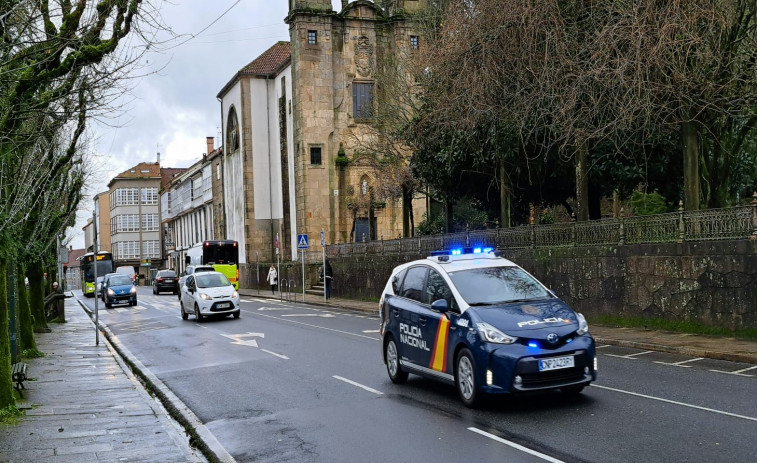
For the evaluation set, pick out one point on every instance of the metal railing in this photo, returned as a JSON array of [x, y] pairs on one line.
[[288, 291], [732, 223]]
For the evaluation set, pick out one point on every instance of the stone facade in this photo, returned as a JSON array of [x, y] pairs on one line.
[[334, 61]]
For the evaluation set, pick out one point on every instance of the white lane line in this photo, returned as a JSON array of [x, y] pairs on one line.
[[319, 327], [281, 356], [602, 347], [683, 404], [630, 356], [274, 308], [516, 446], [371, 331], [680, 364], [369, 389], [737, 372]]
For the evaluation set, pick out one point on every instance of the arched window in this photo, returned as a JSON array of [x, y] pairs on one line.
[[232, 131]]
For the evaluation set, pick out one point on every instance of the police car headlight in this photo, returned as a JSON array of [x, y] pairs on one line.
[[491, 334], [583, 327]]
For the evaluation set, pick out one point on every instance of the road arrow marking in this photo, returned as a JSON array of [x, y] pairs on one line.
[[239, 338], [322, 315]]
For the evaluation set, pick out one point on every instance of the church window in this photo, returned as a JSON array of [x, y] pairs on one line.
[[414, 42], [315, 155], [232, 131], [362, 100], [312, 37]]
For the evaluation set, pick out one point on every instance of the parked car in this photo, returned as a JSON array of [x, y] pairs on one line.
[[119, 289], [190, 270], [165, 280], [208, 293]]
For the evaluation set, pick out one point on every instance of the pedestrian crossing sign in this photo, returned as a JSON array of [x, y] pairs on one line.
[[302, 242]]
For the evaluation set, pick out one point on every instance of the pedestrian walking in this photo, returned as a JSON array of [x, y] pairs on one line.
[[273, 278], [328, 275]]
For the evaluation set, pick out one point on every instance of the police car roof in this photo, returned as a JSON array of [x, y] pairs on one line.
[[468, 260]]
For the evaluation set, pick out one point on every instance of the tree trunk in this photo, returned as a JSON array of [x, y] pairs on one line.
[[582, 184], [689, 141], [25, 326], [37, 297], [6, 382], [448, 215], [505, 199]]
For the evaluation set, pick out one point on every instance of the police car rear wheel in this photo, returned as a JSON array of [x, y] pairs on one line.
[[393, 363], [466, 378]]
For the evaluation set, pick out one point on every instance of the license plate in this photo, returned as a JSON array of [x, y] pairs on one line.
[[223, 305], [556, 363]]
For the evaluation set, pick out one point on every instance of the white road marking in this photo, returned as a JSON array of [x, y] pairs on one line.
[[680, 364], [737, 372], [683, 404], [630, 356], [516, 446], [239, 338], [371, 331], [274, 353], [602, 347], [369, 389], [274, 308], [318, 327], [322, 315]]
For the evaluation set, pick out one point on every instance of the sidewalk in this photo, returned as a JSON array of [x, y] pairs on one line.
[[694, 345], [84, 405]]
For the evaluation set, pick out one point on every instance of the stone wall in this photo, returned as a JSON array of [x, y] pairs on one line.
[[712, 283]]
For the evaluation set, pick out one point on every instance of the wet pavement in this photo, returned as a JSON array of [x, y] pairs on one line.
[[84, 404]]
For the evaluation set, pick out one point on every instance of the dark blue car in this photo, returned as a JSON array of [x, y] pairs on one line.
[[480, 322], [118, 288]]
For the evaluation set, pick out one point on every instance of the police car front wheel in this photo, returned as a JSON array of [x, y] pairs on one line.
[[465, 378], [396, 374]]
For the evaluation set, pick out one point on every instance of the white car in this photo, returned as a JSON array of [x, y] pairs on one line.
[[208, 293]]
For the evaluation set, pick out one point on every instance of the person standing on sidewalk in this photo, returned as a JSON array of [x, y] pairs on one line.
[[272, 278], [328, 275]]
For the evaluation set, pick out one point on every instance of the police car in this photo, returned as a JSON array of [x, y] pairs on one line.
[[475, 320]]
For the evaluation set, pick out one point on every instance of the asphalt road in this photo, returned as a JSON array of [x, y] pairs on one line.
[[287, 382]]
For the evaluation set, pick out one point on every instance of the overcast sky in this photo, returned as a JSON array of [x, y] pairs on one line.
[[174, 109]]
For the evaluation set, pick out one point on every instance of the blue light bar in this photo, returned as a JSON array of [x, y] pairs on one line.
[[476, 250], [533, 344], [488, 250], [457, 252]]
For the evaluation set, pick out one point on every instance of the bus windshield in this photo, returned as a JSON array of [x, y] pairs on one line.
[[221, 255]]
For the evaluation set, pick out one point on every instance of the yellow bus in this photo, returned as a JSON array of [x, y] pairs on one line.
[[222, 255], [87, 266]]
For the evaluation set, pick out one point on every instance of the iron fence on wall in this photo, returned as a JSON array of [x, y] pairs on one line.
[[730, 223]]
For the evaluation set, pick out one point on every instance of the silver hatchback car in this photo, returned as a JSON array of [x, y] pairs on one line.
[[208, 293]]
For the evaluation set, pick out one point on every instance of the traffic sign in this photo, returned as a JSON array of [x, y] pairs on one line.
[[302, 242], [323, 238]]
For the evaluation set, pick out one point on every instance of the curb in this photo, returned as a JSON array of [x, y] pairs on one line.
[[199, 435], [690, 351]]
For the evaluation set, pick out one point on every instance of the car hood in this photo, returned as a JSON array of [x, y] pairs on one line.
[[518, 318], [120, 289], [223, 291]]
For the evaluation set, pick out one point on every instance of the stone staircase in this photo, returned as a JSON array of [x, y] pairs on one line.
[[316, 290]]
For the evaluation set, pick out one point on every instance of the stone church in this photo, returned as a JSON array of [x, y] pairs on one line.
[[295, 125]]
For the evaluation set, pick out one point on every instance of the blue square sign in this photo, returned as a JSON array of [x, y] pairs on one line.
[[302, 242]]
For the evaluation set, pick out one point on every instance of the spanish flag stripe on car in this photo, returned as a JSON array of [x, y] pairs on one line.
[[439, 355]]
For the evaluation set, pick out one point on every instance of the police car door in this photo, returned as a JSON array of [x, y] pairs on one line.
[[436, 325], [412, 346]]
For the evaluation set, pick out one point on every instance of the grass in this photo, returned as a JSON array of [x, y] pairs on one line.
[[749, 334], [10, 415], [32, 353]]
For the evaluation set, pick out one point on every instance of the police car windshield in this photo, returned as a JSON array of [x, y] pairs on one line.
[[497, 285]]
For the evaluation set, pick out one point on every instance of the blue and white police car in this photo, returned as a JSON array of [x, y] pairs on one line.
[[478, 321]]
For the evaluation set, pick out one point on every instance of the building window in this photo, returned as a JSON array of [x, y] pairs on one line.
[[149, 222], [232, 130], [125, 197], [312, 37], [362, 100], [150, 196], [126, 250], [414, 42], [315, 155], [151, 249]]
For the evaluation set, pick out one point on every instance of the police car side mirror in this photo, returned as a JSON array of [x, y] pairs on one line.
[[440, 305]]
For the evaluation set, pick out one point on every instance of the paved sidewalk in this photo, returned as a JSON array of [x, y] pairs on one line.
[[84, 405], [715, 347]]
